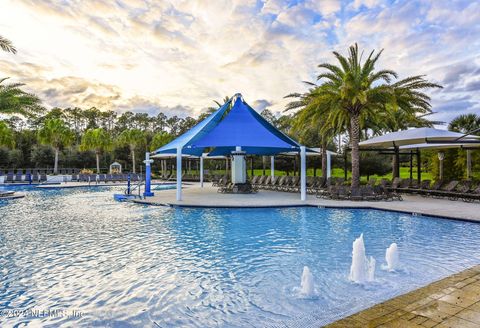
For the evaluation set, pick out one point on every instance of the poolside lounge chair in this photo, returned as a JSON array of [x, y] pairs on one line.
[[102, 178], [446, 190], [34, 177], [395, 184], [266, 182], [9, 178], [272, 183], [471, 195], [281, 183], [254, 179], [338, 192], [389, 194], [294, 184], [43, 178], [18, 176], [435, 187], [311, 187]]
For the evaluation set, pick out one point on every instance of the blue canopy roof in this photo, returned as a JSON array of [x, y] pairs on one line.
[[194, 133], [242, 126]]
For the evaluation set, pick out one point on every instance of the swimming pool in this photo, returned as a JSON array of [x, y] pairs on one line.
[[103, 263]]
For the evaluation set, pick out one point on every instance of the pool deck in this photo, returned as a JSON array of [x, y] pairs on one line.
[[451, 302], [208, 196]]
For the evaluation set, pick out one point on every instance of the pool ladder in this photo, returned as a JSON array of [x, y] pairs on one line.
[[138, 187]]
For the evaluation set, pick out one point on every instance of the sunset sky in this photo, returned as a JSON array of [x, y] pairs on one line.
[[178, 56]]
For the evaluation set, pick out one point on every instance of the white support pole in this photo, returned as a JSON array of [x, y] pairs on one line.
[[272, 166], [303, 173], [179, 173], [201, 171], [329, 164]]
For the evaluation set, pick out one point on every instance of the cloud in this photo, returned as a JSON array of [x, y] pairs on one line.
[[145, 55], [261, 104]]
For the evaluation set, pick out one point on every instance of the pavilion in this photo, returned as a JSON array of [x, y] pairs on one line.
[[240, 131], [417, 139]]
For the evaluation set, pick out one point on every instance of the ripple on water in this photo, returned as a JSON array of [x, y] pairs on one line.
[[127, 265]]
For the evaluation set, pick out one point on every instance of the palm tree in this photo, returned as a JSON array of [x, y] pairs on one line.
[[160, 139], [6, 135], [466, 123], [14, 100], [6, 45], [55, 133], [98, 140], [310, 120], [132, 138], [353, 92]]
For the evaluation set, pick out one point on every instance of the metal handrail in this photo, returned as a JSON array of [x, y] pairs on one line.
[[135, 187]]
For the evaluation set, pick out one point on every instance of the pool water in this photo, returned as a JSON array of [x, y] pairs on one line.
[[79, 252]]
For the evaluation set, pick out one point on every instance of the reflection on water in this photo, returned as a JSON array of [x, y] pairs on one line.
[[119, 264]]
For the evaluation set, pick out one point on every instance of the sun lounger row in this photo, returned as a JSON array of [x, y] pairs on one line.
[[38, 171], [98, 178], [27, 178], [453, 190], [362, 193]]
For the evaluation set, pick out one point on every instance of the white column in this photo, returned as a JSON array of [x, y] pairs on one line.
[[272, 166], [303, 173], [179, 173], [201, 171], [329, 164]]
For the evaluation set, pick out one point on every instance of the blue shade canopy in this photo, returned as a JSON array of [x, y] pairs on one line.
[[193, 134], [242, 127]]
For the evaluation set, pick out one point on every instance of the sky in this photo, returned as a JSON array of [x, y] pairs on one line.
[[177, 57]]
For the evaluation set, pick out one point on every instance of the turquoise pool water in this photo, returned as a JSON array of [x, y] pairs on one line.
[[92, 261]]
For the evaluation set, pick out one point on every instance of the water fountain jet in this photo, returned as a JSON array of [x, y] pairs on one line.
[[362, 268], [392, 257], [306, 286]]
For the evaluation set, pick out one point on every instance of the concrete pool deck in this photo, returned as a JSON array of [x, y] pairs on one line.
[[208, 196], [452, 302]]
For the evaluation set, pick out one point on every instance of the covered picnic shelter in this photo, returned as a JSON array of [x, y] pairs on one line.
[[417, 139], [239, 131]]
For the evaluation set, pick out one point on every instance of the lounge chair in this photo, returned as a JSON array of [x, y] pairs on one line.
[[43, 178], [254, 179], [338, 192], [19, 177], [312, 186], [34, 177], [395, 184], [471, 195], [272, 183], [446, 190], [435, 187], [281, 183], [102, 178], [356, 194], [92, 178], [9, 178], [294, 184]]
